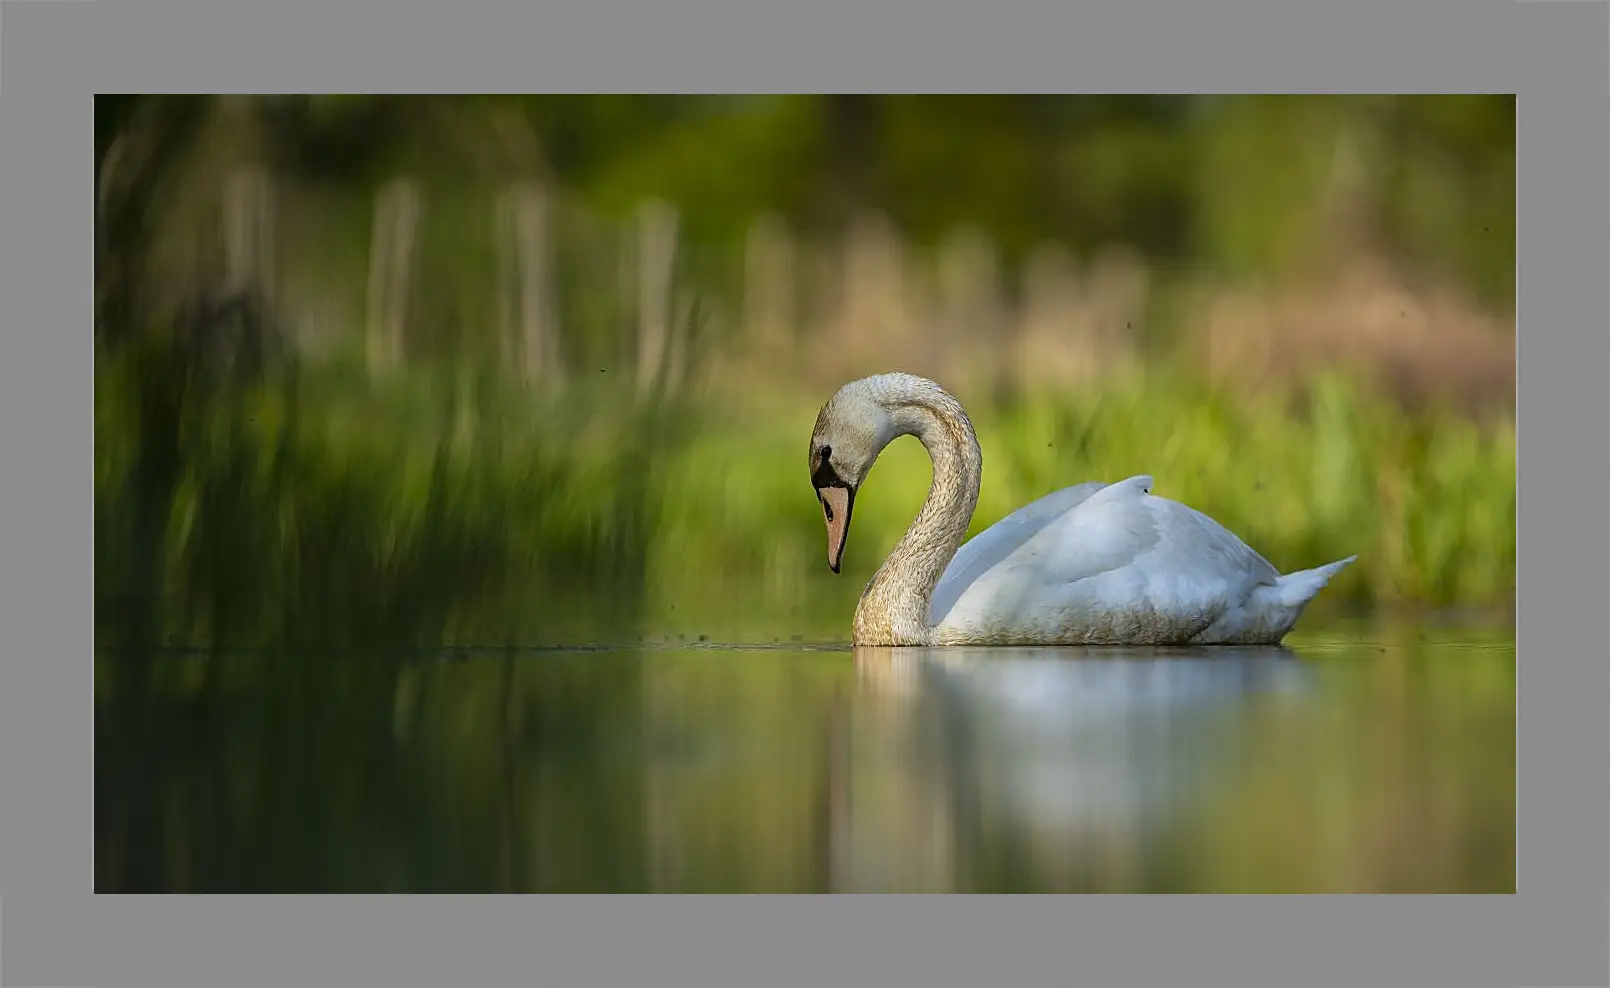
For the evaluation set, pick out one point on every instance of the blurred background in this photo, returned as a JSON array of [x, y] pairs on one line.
[[389, 385]]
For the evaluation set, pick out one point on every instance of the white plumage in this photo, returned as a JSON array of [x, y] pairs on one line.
[[1091, 564], [1114, 562]]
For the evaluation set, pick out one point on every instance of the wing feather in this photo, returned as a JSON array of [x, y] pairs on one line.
[[1100, 548], [994, 544]]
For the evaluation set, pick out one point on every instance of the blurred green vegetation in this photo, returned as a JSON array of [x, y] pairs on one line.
[[416, 515], [1236, 184], [450, 499]]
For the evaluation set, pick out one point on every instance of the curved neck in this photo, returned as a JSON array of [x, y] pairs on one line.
[[894, 607]]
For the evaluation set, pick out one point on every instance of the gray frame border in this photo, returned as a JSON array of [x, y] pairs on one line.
[[57, 55]]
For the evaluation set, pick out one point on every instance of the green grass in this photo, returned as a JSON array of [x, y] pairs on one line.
[[1426, 501], [446, 507]]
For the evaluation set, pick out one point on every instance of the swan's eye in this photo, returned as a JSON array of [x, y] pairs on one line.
[[827, 451]]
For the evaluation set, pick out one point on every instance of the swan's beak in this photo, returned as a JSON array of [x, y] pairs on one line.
[[837, 502]]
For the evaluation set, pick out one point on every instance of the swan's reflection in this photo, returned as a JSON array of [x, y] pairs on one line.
[[1069, 754]]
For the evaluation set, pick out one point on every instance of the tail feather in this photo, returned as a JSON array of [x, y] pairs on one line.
[[1297, 589]]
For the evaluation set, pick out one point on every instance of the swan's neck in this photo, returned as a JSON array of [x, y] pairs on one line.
[[894, 608]]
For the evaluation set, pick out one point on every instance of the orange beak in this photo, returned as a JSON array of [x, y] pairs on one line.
[[837, 503]]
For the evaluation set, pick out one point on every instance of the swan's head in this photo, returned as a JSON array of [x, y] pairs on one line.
[[851, 430]]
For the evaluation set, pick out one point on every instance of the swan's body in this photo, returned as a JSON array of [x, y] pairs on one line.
[[1091, 564]]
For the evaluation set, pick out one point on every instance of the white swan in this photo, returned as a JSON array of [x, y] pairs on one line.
[[1092, 564]]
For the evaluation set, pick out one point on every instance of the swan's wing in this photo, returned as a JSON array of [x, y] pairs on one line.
[[995, 543], [1114, 547], [1126, 527]]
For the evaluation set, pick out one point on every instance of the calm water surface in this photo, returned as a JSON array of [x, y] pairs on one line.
[[1359, 760]]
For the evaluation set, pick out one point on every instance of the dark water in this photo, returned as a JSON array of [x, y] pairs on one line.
[[1360, 760]]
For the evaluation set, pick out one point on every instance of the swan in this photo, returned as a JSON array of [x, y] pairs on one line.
[[1092, 564]]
